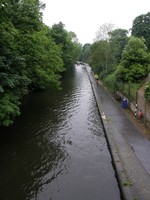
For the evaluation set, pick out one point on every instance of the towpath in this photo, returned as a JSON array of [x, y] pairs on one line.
[[128, 145]]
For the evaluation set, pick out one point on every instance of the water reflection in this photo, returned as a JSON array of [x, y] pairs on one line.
[[26, 164], [57, 150]]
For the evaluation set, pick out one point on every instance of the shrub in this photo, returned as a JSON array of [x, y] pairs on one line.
[[111, 83]]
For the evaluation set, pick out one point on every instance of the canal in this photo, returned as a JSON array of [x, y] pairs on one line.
[[57, 150]]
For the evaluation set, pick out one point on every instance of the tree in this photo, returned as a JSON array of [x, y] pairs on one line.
[[13, 78], [76, 47], [44, 61], [26, 15], [103, 50], [68, 43], [29, 58], [100, 57], [135, 60], [141, 28], [103, 32], [85, 52], [118, 41]]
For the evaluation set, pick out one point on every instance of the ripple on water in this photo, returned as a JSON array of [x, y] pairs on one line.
[[58, 150]]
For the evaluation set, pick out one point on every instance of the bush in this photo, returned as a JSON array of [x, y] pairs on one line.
[[111, 83], [9, 109]]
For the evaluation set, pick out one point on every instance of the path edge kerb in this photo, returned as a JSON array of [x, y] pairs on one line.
[[133, 179]]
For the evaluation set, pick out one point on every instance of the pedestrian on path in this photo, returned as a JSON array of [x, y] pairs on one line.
[[96, 77]]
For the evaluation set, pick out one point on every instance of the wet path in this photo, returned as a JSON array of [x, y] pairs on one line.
[[134, 137], [128, 146], [57, 150]]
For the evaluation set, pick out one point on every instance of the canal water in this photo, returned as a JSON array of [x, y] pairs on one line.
[[57, 150]]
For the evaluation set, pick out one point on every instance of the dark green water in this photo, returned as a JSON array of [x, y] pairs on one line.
[[56, 150]]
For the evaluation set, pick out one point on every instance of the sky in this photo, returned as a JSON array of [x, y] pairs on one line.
[[84, 17]]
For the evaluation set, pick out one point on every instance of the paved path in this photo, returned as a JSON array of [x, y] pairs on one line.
[[130, 149]]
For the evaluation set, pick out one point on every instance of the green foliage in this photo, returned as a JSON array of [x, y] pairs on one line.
[[118, 41], [44, 63], [100, 58], [25, 15], [129, 89], [147, 91], [105, 53], [133, 74], [9, 108], [141, 27], [135, 60], [122, 62], [12, 65], [71, 49], [30, 58], [85, 52], [111, 83]]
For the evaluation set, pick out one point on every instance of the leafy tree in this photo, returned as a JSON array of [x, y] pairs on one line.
[[26, 15], [29, 58], [43, 59], [135, 60], [118, 41], [48, 63], [76, 47], [141, 28], [68, 42], [85, 52], [101, 57], [13, 78], [9, 108]]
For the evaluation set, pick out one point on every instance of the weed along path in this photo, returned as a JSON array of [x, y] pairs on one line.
[[57, 148]]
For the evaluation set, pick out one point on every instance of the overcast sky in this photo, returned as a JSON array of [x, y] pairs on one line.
[[84, 17]]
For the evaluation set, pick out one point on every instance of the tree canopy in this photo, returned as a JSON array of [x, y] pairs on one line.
[[31, 57], [106, 52], [68, 42], [120, 59], [141, 28], [118, 41], [135, 60]]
